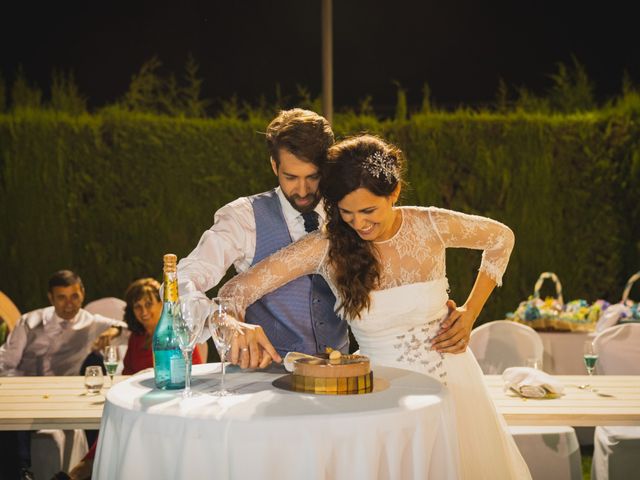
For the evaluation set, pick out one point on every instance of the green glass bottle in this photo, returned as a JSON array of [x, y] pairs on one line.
[[168, 362]]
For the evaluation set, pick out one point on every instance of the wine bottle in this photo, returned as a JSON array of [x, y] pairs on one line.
[[168, 362]]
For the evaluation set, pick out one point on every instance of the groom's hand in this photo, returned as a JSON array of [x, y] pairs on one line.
[[455, 331], [252, 349]]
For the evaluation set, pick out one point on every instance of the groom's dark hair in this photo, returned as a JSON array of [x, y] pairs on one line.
[[303, 133]]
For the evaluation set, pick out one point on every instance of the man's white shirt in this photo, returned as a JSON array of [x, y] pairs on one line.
[[42, 343], [231, 240]]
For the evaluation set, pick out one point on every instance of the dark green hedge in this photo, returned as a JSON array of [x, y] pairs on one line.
[[108, 194]]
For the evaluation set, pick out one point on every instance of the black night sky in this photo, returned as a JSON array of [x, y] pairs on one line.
[[247, 47]]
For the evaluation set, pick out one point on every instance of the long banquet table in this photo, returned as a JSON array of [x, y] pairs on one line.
[[34, 403], [607, 400], [401, 430]]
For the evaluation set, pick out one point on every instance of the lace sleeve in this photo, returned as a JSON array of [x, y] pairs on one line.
[[300, 258], [457, 229]]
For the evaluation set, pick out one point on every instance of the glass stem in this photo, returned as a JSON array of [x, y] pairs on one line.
[[187, 372], [222, 357]]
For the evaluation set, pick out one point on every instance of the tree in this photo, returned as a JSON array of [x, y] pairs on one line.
[[572, 90], [65, 95], [24, 95]]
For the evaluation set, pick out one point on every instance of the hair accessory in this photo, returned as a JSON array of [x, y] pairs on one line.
[[378, 163]]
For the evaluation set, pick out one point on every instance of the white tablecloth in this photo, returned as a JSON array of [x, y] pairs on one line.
[[404, 431]]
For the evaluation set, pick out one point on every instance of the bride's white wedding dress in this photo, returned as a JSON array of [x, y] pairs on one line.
[[405, 314]]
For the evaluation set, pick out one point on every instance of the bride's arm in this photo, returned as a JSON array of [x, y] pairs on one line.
[[253, 348], [471, 231], [300, 258]]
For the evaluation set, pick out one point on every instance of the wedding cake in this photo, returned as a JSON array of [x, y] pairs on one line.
[[332, 374]]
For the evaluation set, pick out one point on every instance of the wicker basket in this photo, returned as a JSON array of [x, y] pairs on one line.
[[552, 314], [625, 311]]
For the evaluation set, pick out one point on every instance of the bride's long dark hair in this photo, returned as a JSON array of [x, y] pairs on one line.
[[363, 161]]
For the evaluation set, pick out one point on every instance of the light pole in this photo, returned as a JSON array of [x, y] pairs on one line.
[[327, 59]]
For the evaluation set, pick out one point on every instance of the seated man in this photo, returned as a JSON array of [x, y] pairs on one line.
[[50, 341], [55, 340]]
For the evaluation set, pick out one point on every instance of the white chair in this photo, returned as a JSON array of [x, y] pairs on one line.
[[111, 307], [56, 450], [8, 311], [550, 452], [616, 450], [504, 343], [618, 350]]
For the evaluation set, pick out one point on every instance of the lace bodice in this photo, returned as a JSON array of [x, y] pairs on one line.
[[416, 253]]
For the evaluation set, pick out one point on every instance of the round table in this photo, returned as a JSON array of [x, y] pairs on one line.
[[405, 430]]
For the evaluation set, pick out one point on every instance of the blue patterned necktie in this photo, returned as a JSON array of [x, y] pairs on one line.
[[310, 221]]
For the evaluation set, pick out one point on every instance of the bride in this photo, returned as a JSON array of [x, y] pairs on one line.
[[386, 266]]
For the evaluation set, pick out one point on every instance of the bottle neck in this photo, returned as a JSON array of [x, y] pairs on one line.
[[170, 287]]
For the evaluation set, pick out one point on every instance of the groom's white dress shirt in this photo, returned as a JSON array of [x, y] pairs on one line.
[[231, 240]]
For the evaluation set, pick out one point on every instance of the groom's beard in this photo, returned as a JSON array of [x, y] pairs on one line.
[[308, 204]]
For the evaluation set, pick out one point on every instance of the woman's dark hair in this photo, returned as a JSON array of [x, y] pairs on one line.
[[363, 161], [141, 288]]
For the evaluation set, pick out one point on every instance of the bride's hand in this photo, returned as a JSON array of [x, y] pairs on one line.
[[455, 331]]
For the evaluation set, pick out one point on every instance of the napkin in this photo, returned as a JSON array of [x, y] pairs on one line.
[[292, 357], [531, 383]]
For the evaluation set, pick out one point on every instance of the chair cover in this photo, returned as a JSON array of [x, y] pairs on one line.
[[111, 307], [550, 452], [56, 450], [618, 350], [504, 343], [616, 450], [8, 311]]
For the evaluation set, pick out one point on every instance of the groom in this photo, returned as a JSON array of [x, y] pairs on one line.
[[298, 316]]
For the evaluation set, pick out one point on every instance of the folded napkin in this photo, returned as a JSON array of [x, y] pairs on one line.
[[292, 357], [531, 383]]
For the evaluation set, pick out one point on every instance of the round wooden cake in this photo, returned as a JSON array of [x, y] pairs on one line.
[[349, 374]]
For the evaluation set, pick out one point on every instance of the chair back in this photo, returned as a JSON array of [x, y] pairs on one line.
[[8, 311], [503, 343], [111, 307], [619, 350]]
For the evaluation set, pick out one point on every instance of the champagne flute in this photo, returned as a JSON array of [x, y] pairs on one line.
[[187, 325], [110, 358], [590, 355], [223, 326]]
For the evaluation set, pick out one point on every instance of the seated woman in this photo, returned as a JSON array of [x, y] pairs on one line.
[[142, 314]]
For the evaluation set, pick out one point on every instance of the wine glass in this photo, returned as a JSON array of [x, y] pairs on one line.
[[110, 359], [534, 362], [93, 379], [187, 325], [590, 355], [223, 326]]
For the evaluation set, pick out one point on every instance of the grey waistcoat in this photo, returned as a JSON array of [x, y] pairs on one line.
[[298, 316]]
